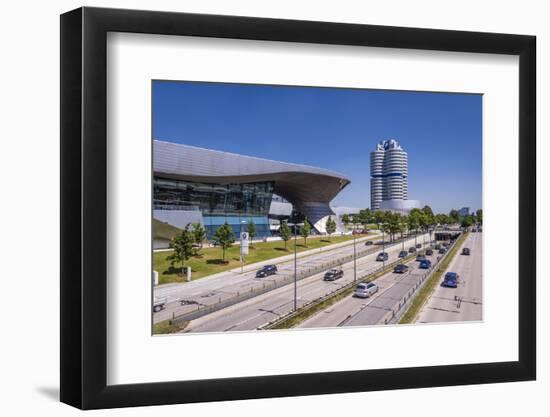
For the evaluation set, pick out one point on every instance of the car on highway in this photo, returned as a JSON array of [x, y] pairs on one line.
[[429, 252], [365, 290], [368, 243], [382, 256], [403, 254], [266, 270], [159, 304], [442, 250], [450, 280], [425, 264], [420, 257], [466, 251], [412, 249], [333, 275], [418, 246], [400, 269]]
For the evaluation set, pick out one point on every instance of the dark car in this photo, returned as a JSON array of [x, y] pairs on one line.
[[412, 249], [401, 269], [420, 257], [429, 252], [333, 275], [425, 264], [418, 246], [442, 250], [266, 271], [450, 280], [382, 256], [368, 243], [437, 247], [466, 251], [403, 254]]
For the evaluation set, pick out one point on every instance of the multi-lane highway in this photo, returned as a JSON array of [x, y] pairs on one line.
[[230, 284], [463, 303], [251, 314], [353, 311], [222, 286]]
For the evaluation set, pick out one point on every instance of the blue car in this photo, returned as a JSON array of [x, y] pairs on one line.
[[450, 280], [425, 264]]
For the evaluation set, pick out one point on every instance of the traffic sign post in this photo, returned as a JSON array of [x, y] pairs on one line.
[[244, 248]]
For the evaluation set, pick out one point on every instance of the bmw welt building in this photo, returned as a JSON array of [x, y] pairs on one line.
[[197, 185]]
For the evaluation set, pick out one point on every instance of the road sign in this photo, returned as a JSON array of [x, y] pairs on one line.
[[244, 243]]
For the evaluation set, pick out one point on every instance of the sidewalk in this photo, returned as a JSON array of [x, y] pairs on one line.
[[279, 260]]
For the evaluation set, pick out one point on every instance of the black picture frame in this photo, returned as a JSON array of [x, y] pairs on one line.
[[84, 207]]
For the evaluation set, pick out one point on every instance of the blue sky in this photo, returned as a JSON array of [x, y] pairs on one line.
[[335, 129]]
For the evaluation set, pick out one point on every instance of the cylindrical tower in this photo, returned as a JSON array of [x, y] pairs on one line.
[[376, 173], [389, 171]]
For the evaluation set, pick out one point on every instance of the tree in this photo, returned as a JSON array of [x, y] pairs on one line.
[[423, 220], [479, 216], [467, 222], [429, 215], [379, 217], [365, 217], [393, 224], [285, 232], [442, 219], [453, 214], [428, 210], [330, 226], [182, 248], [224, 237], [305, 230], [199, 235], [413, 221], [346, 219], [251, 228]]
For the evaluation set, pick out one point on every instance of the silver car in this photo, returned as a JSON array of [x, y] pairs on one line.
[[365, 290]]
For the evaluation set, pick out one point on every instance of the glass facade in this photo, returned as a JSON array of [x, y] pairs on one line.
[[218, 203]]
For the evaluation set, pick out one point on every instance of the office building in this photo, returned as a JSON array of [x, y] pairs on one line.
[[389, 178]]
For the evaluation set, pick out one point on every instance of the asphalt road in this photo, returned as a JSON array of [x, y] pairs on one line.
[[259, 310], [212, 290], [463, 303], [353, 311]]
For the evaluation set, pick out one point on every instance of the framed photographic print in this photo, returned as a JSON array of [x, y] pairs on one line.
[[258, 208]]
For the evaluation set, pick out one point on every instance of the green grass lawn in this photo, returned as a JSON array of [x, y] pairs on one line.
[[210, 261], [165, 327]]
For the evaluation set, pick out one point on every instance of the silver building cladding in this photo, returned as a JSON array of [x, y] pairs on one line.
[[389, 172], [194, 170]]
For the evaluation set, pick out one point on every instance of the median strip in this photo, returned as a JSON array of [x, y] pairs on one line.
[[203, 310], [426, 291], [308, 310]]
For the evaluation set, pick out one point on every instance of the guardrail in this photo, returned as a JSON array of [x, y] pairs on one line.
[[334, 293], [255, 291], [391, 314], [395, 314]]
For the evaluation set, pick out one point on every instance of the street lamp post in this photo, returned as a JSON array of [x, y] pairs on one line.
[[241, 248], [354, 259], [383, 246], [295, 273], [402, 238]]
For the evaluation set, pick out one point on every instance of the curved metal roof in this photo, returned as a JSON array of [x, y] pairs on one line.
[[299, 184]]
